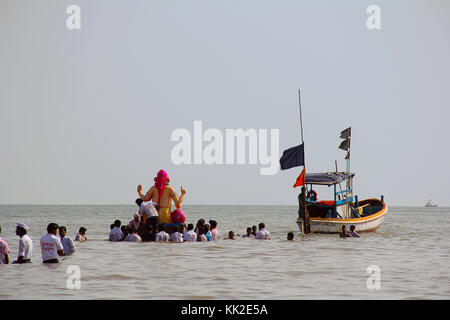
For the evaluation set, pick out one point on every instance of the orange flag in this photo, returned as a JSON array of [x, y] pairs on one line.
[[301, 179]]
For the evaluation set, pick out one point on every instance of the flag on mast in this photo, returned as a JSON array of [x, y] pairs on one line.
[[300, 180], [345, 134], [293, 157], [345, 145]]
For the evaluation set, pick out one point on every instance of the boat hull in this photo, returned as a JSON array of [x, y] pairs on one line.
[[332, 225]]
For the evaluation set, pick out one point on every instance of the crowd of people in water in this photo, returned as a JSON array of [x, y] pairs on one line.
[[141, 229], [153, 221]]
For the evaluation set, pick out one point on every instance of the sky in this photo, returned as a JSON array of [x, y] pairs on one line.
[[86, 115]]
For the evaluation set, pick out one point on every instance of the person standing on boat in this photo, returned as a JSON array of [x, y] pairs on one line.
[[163, 194], [148, 212], [302, 203]]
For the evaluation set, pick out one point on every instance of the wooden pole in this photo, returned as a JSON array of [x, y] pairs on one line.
[[306, 220]]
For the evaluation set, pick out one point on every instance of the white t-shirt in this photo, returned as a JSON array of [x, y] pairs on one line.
[[50, 244], [68, 245], [176, 237], [262, 234], [80, 237], [133, 237], [190, 235], [162, 236], [115, 234], [148, 208], [25, 247]]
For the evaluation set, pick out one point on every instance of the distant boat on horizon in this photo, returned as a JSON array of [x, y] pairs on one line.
[[430, 204]]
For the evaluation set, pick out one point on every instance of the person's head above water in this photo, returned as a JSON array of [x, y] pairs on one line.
[[231, 235], [52, 228], [200, 223], [213, 224], [352, 228], [82, 231], [190, 226], [249, 230], [344, 228], [290, 236], [21, 229], [138, 202], [62, 231], [131, 229], [262, 225], [117, 223]]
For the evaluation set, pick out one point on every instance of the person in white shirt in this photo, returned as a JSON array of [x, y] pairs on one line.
[[262, 233], [176, 235], [81, 235], [249, 234], [132, 235], [148, 212], [69, 247], [25, 244], [161, 235], [116, 234], [190, 234], [51, 246]]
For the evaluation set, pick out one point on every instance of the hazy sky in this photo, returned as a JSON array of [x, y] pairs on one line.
[[87, 115]]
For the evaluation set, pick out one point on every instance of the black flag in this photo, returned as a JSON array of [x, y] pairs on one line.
[[293, 157], [345, 145], [346, 133]]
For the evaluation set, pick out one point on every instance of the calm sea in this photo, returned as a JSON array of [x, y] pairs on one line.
[[411, 250]]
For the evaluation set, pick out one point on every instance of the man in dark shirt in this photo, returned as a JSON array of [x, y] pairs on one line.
[[302, 203], [148, 234]]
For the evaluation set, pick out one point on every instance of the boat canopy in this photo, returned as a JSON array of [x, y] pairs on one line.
[[327, 178]]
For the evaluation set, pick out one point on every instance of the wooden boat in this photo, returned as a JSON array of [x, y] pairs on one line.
[[329, 216], [344, 210]]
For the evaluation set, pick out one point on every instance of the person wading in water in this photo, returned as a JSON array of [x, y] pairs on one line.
[[163, 194]]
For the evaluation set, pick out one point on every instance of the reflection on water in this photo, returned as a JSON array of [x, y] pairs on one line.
[[412, 249]]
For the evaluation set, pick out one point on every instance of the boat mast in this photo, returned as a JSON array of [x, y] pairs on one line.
[[306, 221]]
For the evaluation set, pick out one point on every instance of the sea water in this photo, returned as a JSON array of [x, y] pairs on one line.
[[411, 250]]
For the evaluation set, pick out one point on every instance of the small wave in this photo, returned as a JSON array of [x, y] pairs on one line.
[[194, 297], [114, 276]]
